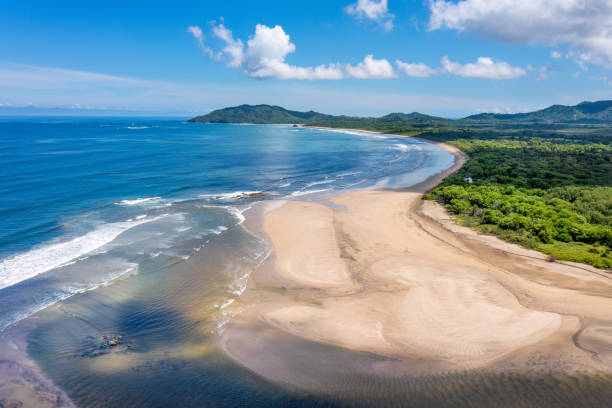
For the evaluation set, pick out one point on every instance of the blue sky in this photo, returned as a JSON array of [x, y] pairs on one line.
[[455, 57]]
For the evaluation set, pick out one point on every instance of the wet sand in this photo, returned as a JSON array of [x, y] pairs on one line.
[[397, 289], [22, 384]]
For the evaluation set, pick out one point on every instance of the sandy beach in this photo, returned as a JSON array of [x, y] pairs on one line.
[[390, 278]]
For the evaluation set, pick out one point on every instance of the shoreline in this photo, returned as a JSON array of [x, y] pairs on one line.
[[392, 276], [277, 334], [460, 158]]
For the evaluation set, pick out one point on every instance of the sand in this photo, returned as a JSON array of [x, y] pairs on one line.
[[384, 273]]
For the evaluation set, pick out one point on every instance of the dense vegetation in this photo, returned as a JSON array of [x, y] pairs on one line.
[[536, 179], [550, 191], [585, 112]]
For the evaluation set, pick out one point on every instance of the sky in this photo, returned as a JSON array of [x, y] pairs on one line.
[[359, 57]]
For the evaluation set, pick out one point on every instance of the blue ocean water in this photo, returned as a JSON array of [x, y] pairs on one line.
[[87, 201]]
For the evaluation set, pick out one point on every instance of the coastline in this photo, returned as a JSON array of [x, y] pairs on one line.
[[387, 274], [349, 313]]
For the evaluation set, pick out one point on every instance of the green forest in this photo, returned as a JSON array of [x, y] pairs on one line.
[[549, 191]]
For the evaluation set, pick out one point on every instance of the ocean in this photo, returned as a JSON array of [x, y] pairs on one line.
[[87, 201]]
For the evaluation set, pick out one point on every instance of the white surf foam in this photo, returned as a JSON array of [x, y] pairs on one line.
[[316, 183], [49, 256], [350, 173], [137, 201], [218, 230], [301, 193], [230, 195], [67, 292], [404, 148], [237, 213]]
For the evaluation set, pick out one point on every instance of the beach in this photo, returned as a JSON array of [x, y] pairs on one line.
[[130, 281], [391, 280], [328, 283]]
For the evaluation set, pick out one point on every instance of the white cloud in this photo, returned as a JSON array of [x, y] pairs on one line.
[[199, 36], [373, 10], [585, 25], [418, 70], [483, 68], [196, 32], [371, 68], [556, 54], [543, 74], [234, 49], [266, 51]]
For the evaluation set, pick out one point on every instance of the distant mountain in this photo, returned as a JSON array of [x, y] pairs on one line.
[[270, 114], [264, 114], [414, 118], [585, 112]]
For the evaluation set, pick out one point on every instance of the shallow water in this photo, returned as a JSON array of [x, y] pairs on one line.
[[132, 228], [89, 201]]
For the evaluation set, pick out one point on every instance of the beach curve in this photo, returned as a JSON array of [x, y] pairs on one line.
[[387, 274]]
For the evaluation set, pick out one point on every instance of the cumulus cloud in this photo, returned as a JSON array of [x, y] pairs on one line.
[[418, 70], [371, 68], [556, 54], [585, 26], [264, 56], [265, 53], [483, 68], [373, 10]]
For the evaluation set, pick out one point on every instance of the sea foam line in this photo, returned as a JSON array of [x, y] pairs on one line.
[[230, 195], [316, 183], [69, 291], [137, 201], [301, 193], [49, 256]]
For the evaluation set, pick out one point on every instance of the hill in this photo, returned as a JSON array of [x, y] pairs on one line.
[[599, 112], [585, 112], [262, 114], [270, 114]]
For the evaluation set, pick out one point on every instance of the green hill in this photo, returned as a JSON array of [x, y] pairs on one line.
[[584, 113], [270, 114], [264, 114]]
